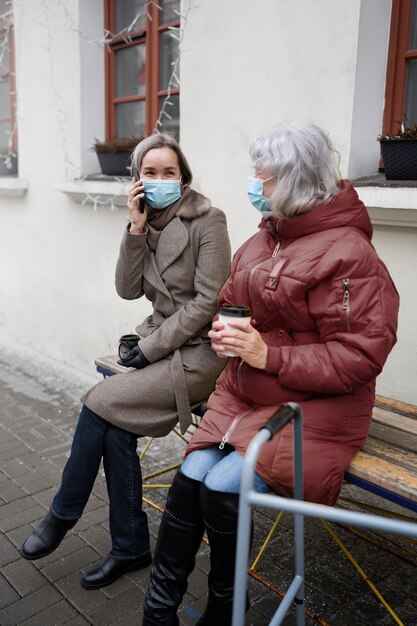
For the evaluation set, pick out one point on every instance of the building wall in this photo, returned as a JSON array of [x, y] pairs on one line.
[[245, 67], [57, 294]]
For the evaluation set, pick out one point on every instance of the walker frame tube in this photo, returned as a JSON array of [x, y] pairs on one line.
[[249, 497], [285, 414]]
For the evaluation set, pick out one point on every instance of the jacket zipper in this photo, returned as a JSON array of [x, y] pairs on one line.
[[232, 426], [276, 250], [346, 301], [239, 367], [252, 272]]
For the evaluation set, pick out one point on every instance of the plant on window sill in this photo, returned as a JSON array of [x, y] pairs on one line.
[[399, 153], [8, 164], [114, 155]]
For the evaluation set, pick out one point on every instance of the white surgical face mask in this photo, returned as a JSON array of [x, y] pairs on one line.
[[256, 195], [161, 193]]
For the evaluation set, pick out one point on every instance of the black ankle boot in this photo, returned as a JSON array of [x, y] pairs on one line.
[[46, 537], [179, 538], [110, 569], [220, 512]]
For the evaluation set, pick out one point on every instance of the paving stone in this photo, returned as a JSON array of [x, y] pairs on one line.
[[39, 480], [133, 618], [29, 606], [10, 491], [60, 613], [80, 598], [97, 516], [59, 460], [24, 577], [12, 449], [16, 520], [98, 538], [122, 604], [72, 562], [77, 621], [8, 552], [17, 535], [7, 594]]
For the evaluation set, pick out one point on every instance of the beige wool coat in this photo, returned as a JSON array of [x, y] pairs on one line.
[[182, 279]]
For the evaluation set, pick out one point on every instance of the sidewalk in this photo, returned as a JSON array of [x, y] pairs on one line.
[[37, 418]]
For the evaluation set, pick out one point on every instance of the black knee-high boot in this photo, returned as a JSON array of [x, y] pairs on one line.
[[179, 538], [220, 512]]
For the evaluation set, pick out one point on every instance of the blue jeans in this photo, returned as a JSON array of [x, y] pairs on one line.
[[220, 470], [96, 439]]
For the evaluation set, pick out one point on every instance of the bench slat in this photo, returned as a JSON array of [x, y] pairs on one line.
[[109, 364], [388, 467]]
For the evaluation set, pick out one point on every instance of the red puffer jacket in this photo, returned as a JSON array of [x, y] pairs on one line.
[[327, 308]]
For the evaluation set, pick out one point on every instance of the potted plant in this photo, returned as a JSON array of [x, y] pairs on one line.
[[399, 153], [8, 164], [114, 155]]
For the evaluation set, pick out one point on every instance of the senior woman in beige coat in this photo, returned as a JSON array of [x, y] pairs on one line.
[[175, 251]]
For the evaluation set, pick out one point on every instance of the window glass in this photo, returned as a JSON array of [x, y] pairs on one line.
[[130, 15], [4, 56], [413, 31], [173, 110], [130, 119], [169, 8], [168, 54], [5, 104], [130, 71], [411, 93], [5, 130]]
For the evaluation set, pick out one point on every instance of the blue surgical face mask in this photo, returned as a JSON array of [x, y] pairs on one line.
[[256, 195], [161, 193]]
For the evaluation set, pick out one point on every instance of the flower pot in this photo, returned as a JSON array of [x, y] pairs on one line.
[[8, 171], [400, 158], [114, 163]]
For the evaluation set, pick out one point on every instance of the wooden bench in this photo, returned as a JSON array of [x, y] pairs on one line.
[[386, 465]]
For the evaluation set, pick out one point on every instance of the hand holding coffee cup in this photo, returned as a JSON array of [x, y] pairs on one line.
[[239, 316]]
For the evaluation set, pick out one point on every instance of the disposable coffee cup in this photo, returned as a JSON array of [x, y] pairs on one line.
[[241, 316], [126, 343]]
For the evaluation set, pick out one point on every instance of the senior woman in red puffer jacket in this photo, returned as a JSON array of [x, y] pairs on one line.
[[324, 318]]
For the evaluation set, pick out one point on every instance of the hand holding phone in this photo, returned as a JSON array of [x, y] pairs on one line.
[[136, 176]]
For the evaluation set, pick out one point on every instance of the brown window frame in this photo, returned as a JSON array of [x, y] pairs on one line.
[[11, 78], [151, 37], [398, 56]]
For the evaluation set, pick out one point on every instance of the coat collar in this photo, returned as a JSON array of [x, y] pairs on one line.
[[192, 204], [345, 209]]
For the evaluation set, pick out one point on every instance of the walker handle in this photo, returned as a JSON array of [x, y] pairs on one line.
[[280, 418]]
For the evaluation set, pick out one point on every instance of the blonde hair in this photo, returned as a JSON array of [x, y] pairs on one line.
[[305, 164]]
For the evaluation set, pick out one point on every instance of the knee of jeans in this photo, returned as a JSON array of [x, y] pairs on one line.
[[218, 481]]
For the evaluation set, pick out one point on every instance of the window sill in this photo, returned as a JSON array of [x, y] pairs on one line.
[[389, 202], [106, 191], [13, 187]]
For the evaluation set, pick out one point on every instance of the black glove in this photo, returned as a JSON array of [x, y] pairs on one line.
[[134, 358]]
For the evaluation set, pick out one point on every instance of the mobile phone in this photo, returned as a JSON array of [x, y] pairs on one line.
[[136, 176]]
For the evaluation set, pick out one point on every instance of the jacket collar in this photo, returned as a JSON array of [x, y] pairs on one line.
[[345, 209]]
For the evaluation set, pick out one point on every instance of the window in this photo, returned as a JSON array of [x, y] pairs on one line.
[[142, 81], [401, 84], [8, 139]]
